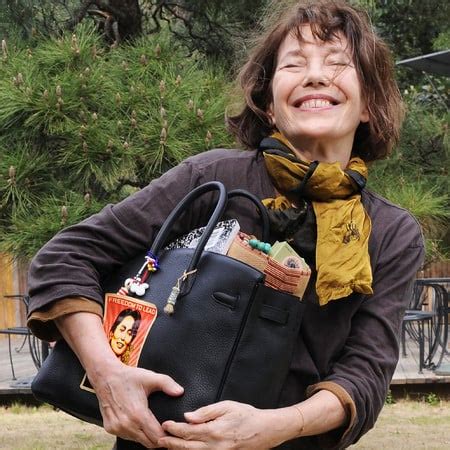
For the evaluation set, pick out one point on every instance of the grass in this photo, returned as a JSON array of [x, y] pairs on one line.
[[43, 428], [405, 424], [411, 425]]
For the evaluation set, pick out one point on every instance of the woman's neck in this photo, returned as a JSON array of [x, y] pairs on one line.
[[316, 150]]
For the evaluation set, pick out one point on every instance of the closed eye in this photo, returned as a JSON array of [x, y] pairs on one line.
[[338, 62], [293, 66], [342, 62]]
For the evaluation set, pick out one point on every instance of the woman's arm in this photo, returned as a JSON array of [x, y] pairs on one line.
[[235, 425], [122, 391], [369, 357]]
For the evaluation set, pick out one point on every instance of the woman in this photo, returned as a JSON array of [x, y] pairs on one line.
[[321, 101], [122, 333]]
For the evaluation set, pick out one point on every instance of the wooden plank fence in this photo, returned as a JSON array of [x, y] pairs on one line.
[[438, 269], [13, 280]]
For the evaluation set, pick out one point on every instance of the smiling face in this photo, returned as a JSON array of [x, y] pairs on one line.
[[317, 103], [122, 335]]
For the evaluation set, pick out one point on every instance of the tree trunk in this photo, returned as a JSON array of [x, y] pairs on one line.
[[119, 19], [128, 16]]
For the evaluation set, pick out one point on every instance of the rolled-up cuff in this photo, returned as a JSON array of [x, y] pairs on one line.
[[42, 321], [333, 438]]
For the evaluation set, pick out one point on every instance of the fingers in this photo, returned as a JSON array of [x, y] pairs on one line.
[[159, 382], [135, 424], [185, 430], [146, 430], [152, 428], [177, 443], [184, 435], [123, 401], [206, 413]]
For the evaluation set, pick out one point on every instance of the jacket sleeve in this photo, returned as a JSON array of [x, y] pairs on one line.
[[73, 263], [42, 321], [368, 360]]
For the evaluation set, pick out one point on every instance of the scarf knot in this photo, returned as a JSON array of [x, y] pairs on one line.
[[342, 224]]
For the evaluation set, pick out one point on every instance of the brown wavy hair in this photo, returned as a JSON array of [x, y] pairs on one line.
[[371, 57]]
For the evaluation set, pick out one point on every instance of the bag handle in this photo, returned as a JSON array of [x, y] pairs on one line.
[[167, 226], [164, 232], [262, 210]]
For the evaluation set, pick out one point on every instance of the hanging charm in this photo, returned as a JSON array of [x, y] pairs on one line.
[[172, 300], [137, 284], [175, 292], [137, 287]]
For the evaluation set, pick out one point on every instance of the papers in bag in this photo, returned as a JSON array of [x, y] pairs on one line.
[[284, 269], [219, 241], [126, 322]]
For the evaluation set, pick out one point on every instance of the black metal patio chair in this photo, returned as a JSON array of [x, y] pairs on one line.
[[426, 322], [33, 343]]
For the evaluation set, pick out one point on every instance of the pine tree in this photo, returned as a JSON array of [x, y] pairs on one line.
[[82, 125]]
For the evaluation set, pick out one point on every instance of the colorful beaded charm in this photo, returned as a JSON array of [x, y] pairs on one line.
[[137, 284], [258, 245], [152, 262]]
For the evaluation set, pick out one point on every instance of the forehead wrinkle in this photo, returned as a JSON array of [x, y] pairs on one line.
[[331, 49]]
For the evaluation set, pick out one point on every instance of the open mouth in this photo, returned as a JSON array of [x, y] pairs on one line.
[[315, 103]]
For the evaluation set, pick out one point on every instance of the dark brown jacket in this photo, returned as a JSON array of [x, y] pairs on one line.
[[349, 346]]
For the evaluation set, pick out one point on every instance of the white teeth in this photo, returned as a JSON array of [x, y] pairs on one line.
[[315, 103]]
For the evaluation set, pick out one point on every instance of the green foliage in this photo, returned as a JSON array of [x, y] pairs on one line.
[[26, 18], [416, 176], [442, 42], [83, 125], [424, 145], [98, 123], [432, 399], [30, 229], [213, 28], [390, 400], [410, 26], [429, 207]]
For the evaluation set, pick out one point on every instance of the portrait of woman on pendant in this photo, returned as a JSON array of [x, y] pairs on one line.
[[122, 333]]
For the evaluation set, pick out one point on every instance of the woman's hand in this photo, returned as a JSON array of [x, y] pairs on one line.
[[122, 392], [229, 425]]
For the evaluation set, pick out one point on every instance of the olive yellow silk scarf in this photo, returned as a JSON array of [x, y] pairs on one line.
[[343, 226]]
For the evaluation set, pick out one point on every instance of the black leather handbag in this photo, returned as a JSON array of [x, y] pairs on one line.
[[230, 337]]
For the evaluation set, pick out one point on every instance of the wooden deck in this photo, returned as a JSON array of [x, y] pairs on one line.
[[407, 371], [24, 367]]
